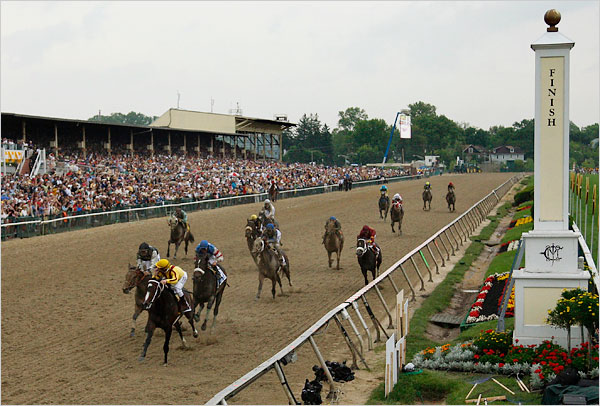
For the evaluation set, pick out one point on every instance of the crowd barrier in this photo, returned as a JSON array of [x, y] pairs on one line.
[[421, 262], [24, 227]]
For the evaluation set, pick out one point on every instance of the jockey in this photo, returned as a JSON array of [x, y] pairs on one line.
[[182, 215], [176, 278], [273, 237], [147, 257], [397, 199], [269, 210], [338, 228], [213, 256], [383, 190], [256, 224], [368, 234], [450, 187], [427, 186]]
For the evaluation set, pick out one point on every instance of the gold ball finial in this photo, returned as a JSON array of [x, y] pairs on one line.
[[552, 18]]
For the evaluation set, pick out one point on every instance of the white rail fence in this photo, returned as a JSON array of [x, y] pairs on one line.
[[438, 248], [39, 226]]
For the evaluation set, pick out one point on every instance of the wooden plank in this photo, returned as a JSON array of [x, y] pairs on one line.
[[488, 399], [446, 319]]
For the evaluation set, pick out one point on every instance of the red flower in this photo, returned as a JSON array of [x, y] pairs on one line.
[[501, 364], [476, 356], [517, 340], [543, 362], [515, 360], [541, 376]]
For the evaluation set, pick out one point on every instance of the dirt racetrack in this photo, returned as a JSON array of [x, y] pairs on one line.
[[65, 321]]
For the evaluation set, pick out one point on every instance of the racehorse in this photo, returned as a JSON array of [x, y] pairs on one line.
[[136, 278], [269, 267], [427, 198], [396, 216], [163, 312], [367, 259], [333, 243], [266, 220], [273, 192], [206, 291], [451, 199], [384, 206], [251, 235], [178, 235]]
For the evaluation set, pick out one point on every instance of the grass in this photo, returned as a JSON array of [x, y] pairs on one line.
[[588, 229]]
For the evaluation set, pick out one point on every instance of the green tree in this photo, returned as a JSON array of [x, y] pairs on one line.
[[350, 117], [131, 118]]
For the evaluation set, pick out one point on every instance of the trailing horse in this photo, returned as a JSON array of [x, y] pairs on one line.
[[178, 235], [396, 216], [384, 206], [451, 199], [427, 198], [273, 192], [333, 243], [206, 291], [367, 259], [163, 312], [269, 267], [136, 278], [251, 234]]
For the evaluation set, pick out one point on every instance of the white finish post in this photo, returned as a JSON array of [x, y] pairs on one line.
[[551, 248]]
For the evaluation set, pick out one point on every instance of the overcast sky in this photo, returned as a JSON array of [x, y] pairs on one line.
[[471, 59]]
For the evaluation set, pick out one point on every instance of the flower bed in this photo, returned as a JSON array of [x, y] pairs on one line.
[[493, 352], [488, 300]]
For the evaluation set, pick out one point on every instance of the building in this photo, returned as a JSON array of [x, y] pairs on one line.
[[506, 154], [475, 152]]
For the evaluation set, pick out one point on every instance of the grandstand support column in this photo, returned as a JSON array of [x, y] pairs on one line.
[[255, 146], [245, 139], [212, 144], [24, 130], [198, 147], [280, 147], [55, 140], [152, 143], [551, 248], [131, 142]]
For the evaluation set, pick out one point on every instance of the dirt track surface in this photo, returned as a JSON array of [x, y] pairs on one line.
[[66, 322]]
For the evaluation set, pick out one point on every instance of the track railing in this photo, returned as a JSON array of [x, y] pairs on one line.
[[438, 248], [588, 257], [40, 226]]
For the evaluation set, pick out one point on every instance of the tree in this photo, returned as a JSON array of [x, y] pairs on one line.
[[131, 118], [420, 108], [350, 117]]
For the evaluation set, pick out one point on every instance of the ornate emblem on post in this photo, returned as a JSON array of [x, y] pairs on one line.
[[551, 253], [552, 18]]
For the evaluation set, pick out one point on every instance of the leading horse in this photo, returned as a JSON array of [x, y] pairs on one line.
[[178, 235], [136, 278], [451, 200], [367, 259], [206, 291], [333, 243], [163, 312], [269, 267]]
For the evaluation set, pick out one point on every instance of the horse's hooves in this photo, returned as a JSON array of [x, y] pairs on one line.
[[140, 359], [132, 334], [203, 328], [165, 364], [195, 333]]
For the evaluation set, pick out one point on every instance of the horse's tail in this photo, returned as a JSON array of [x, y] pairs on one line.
[[190, 236]]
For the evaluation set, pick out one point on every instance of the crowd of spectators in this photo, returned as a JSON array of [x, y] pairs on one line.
[[102, 182]]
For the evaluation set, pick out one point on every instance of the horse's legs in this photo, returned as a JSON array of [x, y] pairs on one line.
[[168, 332], [286, 271], [168, 248], [136, 313], [149, 332], [364, 272], [273, 286], [176, 248], [190, 316], [199, 312], [338, 252], [329, 258], [216, 312], [261, 278], [179, 330], [209, 305], [393, 231]]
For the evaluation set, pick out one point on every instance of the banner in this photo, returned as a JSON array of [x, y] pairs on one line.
[[13, 155], [405, 126]]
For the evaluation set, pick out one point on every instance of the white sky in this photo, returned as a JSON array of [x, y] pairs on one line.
[[471, 59]]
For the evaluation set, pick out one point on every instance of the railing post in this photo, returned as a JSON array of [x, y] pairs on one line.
[[385, 306], [332, 387], [414, 297], [346, 316], [418, 273], [393, 283], [449, 242], [445, 249], [284, 384], [364, 324], [427, 266], [437, 268]]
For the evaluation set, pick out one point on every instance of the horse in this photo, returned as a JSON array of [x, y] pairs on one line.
[[333, 243], [251, 234], [206, 291], [427, 198], [163, 312], [136, 278], [269, 267], [266, 220], [273, 192], [451, 199], [396, 216], [178, 235], [367, 259], [384, 206]]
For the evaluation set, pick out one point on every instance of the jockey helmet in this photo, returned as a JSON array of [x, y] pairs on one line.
[[203, 245], [267, 201], [450, 184], [397, 196], [144, 246], [253, 217], [384, 187], [270, 226], [427, 183], [332, 218], [162, 264], [365, 228]]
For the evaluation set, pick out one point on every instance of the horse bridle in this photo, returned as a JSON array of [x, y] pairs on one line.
[[139, 276], [157, 293], [360, 251]]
